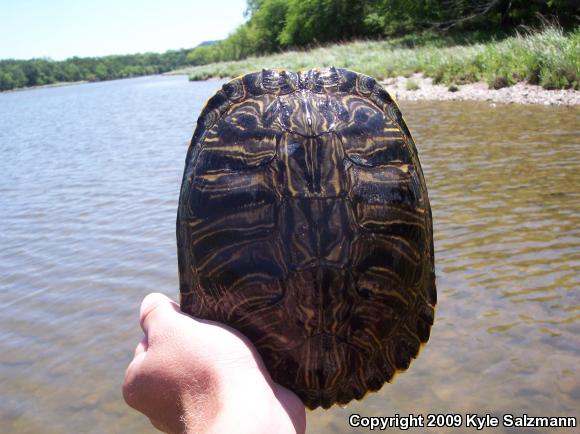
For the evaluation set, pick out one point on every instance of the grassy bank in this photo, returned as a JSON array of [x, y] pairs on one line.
[[550, 58]]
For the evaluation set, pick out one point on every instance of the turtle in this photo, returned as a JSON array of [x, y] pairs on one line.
[[304, 223]]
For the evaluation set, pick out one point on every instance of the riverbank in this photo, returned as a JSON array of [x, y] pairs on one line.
[[541, 67], [46, 86], [417, 87], [549, 58], [421, 88]]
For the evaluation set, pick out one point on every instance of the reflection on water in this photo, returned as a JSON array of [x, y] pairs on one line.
[[89, 181]]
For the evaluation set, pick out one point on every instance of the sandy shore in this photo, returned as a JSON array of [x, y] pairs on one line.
[[520, 93]]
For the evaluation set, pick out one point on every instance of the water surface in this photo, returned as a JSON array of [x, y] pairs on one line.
[[89, 183]]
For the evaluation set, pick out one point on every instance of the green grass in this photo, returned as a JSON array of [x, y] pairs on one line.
[[549, 57], [411, 84]]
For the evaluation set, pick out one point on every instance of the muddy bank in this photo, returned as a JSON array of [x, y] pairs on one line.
[[418, 88]]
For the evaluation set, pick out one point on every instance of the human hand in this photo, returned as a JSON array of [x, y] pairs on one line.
[[200, 376]]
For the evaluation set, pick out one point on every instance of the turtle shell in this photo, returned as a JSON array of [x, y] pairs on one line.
[[304, 223]]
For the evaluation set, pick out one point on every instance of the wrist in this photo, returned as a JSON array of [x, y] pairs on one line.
[[246, 401], [251, 403], [199, 404]]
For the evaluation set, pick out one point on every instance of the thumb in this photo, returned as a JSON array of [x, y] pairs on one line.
[[155, 309]]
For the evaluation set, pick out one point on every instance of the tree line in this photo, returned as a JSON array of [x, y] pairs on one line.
[[36, 72], [274, 25]]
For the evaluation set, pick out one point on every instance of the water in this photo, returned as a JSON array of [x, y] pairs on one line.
[[89, 182]]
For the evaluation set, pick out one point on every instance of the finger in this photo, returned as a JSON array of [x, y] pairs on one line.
[[130, 382], [154, 307], [141, 347]]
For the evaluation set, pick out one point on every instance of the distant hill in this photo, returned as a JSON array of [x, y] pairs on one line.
[[207, 43]]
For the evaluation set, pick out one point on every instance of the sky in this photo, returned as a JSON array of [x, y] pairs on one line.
[[60, 29]]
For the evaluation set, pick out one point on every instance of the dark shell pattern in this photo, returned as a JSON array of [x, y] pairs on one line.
[[304, 223]]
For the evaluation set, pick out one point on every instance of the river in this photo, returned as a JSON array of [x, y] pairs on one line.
[[89, 183]]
